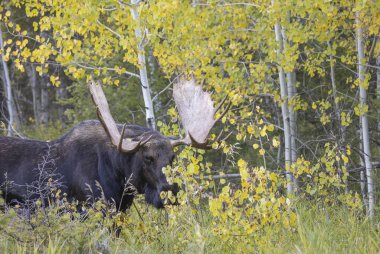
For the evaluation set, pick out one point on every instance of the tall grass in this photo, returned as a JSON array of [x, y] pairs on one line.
[[336, 230], [183, 229]]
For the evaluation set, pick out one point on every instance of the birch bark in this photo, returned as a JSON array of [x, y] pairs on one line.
[[378, 88], [149, 110], [364, 117], [284, 110], [291, 92], [8, 88]]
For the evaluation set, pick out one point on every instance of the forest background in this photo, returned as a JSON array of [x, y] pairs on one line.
[[296, 166]]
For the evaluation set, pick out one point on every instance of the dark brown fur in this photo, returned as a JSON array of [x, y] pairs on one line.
[[85, 156]]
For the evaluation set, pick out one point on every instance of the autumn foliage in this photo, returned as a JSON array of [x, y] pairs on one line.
[[234, 49]]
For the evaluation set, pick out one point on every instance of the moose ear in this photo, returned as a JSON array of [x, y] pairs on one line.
[[173, 138]]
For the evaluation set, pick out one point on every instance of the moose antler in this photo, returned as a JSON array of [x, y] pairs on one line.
[[197, 112], [109, 124]]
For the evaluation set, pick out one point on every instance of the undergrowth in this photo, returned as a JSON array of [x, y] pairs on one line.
[[60, 228]]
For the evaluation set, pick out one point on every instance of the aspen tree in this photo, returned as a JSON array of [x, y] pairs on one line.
[[364, 116], [8, 87]]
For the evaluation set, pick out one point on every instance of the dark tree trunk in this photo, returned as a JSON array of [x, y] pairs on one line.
[[61, 94], [44, 110], [36, 91]]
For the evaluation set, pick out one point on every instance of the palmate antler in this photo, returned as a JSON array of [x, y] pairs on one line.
[[109, 124], [197, 112]]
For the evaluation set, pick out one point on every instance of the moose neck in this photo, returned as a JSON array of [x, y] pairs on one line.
[[119, 182]]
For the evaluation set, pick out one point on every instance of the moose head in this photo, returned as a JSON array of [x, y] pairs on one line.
[[150, 150]]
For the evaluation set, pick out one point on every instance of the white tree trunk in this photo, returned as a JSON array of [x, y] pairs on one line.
[[291, 77], [291, 83], [284, 110], [363, 179], [291, 90], [149, 110], [364, 118], [378, 89], [8, 88]]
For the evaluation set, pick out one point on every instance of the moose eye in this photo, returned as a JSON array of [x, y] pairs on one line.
[[148, 159]]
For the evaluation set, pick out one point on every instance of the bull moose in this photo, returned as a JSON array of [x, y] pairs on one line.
[[97, 158]]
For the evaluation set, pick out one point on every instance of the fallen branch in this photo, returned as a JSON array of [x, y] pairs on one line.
[[220, 176]]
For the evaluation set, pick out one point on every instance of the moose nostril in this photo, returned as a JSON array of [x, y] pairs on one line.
[[175, 188]]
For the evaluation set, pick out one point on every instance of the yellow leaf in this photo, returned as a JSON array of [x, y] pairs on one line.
[[275, 142], [261, 151], [242, 163], [250, 129], [348, 150], [263, 131], [345, 158], [255, 146], [35, 26]]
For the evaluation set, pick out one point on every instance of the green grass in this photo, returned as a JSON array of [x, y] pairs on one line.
[[184, 230], [332, 230]]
